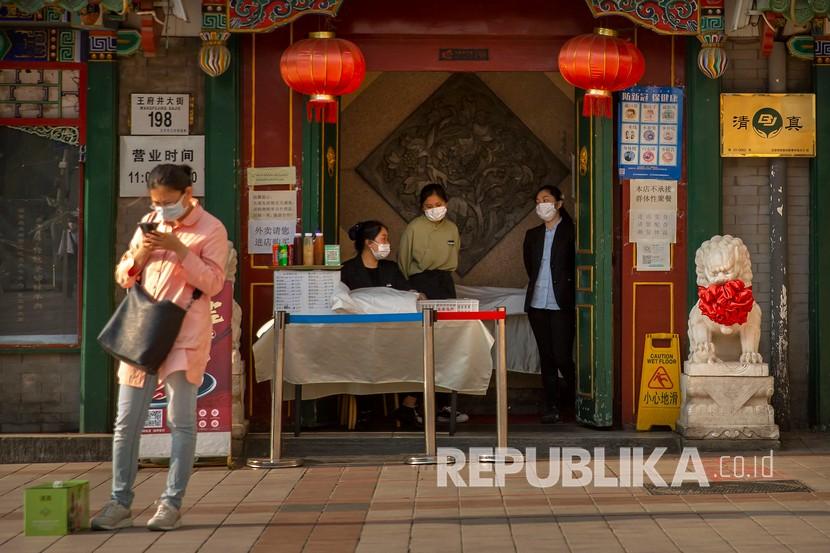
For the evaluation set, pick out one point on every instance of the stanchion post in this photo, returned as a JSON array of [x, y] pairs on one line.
[[275, 461], [501, 381], [430, 457], [501, 390]]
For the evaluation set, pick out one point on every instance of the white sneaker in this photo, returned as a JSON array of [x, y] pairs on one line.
[[445, 413], [112, 517], [166, 518]]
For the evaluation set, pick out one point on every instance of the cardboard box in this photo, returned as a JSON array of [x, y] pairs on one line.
[[56, 509]]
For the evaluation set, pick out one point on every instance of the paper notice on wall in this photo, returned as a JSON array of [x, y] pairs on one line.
[[653, 194], [653, 211], [652, 225], [264, 233], [300, 291], [260, 176], [272, 204], [653, 256]]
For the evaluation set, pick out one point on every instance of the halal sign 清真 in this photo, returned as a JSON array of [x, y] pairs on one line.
[[767, 122], [768, 125]]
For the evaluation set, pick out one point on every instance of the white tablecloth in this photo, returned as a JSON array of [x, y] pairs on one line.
[[378, 358], [522, 352]]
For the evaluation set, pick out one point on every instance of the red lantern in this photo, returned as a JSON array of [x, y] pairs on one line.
[[323, 67], [600, 63]]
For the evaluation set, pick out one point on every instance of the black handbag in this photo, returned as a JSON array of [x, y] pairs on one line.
[[142, 331]]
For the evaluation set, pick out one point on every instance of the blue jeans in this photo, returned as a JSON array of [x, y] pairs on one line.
[[133, 404]]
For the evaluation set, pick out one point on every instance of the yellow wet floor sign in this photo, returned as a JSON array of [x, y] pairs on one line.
[[659, 383]]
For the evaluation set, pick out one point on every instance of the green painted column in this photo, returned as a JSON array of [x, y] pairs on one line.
[[330, 214], [100, 195], [594, 218], [819, 256], [222, 105], [704, 168], [312, 172]]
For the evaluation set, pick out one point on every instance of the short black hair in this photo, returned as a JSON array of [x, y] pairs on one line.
[[177, 177], [363, 231], [553, 190], [433, 189]]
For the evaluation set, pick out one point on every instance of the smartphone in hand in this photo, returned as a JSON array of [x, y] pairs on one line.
[[148, 227]]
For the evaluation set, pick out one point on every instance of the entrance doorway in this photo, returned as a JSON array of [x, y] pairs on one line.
[[492, 139]]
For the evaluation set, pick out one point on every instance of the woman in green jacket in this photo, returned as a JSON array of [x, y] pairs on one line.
[[428, 253], [428, 256]]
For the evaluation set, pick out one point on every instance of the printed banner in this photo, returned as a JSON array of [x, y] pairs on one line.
[[213, 407], [768, 125], [650, 133]]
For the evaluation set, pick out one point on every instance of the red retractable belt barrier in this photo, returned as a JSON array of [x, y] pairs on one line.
[[470, 315]]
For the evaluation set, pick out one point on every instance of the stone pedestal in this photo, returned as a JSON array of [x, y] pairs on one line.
[[726, 401]]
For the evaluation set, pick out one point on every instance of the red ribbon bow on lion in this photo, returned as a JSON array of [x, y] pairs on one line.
[[726, 304]]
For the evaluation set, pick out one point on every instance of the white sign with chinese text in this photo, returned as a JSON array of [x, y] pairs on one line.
[[653, 256], [140, 154], [653, 194], [264, 233], [259, 176], [272, 204], [652, 215], [160, 114]]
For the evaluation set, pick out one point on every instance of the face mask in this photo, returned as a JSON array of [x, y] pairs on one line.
[[171, 212], [383, 251], [436, 214], [546, 211]]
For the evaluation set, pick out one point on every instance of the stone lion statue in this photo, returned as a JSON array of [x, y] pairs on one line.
[[725, 307]]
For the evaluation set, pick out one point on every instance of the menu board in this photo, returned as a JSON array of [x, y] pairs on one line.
[[302, 291], [650, 133]]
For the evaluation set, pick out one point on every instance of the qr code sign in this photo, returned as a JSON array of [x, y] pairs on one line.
[[155, 418]]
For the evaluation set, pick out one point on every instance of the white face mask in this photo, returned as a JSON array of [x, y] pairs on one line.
[[382, 251], [436, 214], [546, 211], [172, 212]]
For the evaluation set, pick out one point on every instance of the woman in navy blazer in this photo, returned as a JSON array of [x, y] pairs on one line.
[[549, 258]]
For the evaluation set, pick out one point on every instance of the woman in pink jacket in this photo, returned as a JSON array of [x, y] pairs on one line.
[[187, 251]]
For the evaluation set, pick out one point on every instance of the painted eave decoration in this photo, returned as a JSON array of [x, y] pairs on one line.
[[254, 16], [32, 6], [672, 17], [701, 18]]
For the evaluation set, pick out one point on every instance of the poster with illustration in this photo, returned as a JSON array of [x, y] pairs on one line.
[[213, 405], [649, 133]]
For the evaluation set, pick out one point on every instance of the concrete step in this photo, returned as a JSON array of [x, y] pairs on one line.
[[380, 447], [55, 448], [328, 446]]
